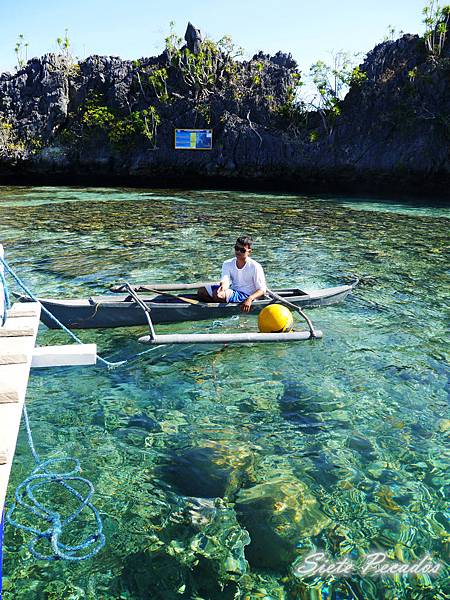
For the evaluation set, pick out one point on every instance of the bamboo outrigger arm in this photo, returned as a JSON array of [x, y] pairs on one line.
[[142, 305], [281, 300]]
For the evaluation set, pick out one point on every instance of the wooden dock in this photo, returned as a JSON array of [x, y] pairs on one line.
[[17, 340]]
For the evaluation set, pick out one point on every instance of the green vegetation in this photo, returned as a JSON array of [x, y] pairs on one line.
[[392, 34], [203, 72], [64, 44], [158, 80], [21, 51], [96, 115], [258, 67], [436, 19], [204, 110], [332, 83], [9, 142], [293, 110], [412, 74], [5, 135], [97, 118]]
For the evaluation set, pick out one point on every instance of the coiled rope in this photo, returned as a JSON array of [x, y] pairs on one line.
[[41, 476]]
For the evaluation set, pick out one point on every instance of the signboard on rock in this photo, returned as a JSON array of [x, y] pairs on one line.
[[193, 139]]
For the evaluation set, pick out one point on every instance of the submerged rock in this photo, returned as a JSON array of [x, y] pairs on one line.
[[195, 472], [363, 446], [297, 407], [278, 513], [145, 422], [99, 418]]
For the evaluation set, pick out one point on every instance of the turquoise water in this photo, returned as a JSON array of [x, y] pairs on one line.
[[217, 470]]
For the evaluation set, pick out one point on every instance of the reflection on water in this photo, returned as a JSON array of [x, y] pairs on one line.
[[217, 469]]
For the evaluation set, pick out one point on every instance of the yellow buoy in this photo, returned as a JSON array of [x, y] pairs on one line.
[[275, 318]]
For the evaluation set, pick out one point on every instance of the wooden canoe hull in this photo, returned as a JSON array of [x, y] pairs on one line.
[[118, 311]]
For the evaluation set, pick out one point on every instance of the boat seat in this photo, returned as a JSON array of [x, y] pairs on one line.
[[291, 292]]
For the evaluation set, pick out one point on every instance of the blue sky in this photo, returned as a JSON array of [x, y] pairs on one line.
[[135, 28]]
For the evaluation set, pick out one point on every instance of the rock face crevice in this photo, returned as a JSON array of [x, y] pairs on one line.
[[106, 119]]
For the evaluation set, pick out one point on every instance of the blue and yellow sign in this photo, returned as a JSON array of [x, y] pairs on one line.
[[193, 139]]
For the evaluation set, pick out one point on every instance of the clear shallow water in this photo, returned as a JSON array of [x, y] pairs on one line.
[[218, 469]]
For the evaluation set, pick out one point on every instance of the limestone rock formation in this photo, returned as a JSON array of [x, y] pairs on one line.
[[113, 119]]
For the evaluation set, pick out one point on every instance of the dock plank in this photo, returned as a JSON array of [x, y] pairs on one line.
[[17, 332], [13, 382], [22, 309]]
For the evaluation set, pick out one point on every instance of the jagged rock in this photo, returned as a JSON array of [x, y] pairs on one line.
[[193, 38], [393, 130]]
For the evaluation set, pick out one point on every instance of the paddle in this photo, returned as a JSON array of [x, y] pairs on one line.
[[183, 298], [161, 287]]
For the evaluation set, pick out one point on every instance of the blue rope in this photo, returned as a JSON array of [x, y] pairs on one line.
[[40, 477], [2, 521], [6, 301]]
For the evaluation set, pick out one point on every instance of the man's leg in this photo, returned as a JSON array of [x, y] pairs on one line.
[[219, 296], [211, 294], [204, 295]]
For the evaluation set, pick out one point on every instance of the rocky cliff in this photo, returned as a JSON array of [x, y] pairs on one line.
[[105, 120]]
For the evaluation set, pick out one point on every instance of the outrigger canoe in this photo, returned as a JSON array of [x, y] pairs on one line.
[[123, 311]]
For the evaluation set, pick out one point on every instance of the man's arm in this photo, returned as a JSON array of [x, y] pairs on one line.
[[247, 304], [260, 283]]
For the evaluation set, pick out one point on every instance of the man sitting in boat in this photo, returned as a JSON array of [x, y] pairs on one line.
[[242, 278]]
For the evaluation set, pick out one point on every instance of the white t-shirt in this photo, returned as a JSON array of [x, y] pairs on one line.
[[248, 279]]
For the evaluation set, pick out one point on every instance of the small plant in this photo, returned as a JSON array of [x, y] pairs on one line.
[[173, 42], [436, 18], [392, 34], [357, 77], [205, 111], [293, 109], [152, 121], [21, 51], [158, 80], [228, 48], [332, 83], [64, 44], [9, 142], [412, 74], [5, 135], [256, 78], [96, 115]]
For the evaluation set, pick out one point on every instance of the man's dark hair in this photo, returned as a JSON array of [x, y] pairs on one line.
[[245, 240]]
